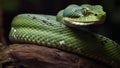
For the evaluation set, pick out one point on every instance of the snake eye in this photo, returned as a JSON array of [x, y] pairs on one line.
[[84, 11]]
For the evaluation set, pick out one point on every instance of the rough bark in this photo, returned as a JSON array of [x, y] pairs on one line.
[[33, 56]]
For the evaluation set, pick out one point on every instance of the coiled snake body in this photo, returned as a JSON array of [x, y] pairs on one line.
[[45, 30]]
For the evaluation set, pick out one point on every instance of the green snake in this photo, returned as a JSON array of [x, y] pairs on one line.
[[60, 32]]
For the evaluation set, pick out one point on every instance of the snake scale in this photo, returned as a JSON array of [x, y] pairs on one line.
[[46, 30]]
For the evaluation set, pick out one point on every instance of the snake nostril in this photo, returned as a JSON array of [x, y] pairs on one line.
[[95, 14]]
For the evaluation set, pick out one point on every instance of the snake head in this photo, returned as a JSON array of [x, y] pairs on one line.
[[75, 15]]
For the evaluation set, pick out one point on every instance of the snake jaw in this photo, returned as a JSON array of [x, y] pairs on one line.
[[74, 24]]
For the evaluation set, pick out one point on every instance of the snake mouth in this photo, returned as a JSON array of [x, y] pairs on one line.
[[73, 23]]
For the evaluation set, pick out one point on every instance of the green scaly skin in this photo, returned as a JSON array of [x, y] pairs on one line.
[[45, 30], [75, 15]]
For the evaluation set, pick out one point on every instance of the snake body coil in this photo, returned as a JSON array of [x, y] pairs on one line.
[[45, 30]]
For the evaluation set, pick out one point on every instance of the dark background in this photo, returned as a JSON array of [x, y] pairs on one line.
[[111, 27]]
